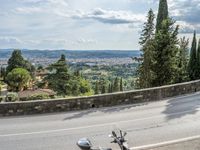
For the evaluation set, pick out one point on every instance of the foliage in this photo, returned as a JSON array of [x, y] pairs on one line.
[[58, 79], [18, 79], [39, 97], [193, 62], [121, 84], [198, 60], [162, 14], [12, 97], [3, 73], [165, 54], [17, 61], [116, 86], [145, 69], [64, 83], [96, 87], [0, 88], [182, 60]]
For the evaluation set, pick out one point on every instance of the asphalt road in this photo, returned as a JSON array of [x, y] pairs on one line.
[[146, 123]]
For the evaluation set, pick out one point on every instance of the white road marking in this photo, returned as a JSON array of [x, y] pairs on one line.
[[144, 147], [91, 126]]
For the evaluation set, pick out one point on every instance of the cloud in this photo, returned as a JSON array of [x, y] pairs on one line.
[[186, 12], [110, 16], [10, 41]]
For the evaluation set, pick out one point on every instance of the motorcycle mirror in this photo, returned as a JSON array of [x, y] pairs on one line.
[[114, 134], [125, 133], [110, 136]]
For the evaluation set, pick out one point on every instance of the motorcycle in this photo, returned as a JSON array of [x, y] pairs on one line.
[[85, 144]]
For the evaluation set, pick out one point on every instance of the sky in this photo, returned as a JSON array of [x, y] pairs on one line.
[[86, 24]]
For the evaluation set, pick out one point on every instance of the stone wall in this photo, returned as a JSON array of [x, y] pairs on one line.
[[106, 100]]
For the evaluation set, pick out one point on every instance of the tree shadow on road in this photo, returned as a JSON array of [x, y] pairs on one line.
[[108, 110], [182, 106]]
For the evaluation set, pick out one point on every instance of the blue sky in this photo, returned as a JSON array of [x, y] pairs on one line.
[[85, 24]]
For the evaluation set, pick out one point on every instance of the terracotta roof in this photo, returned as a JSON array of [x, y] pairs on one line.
[[28, 93]]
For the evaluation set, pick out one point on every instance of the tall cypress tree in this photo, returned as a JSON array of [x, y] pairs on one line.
[[165, 56], [192, 66], [116, 86], [97, 87], [121, 84], [145, 73], [162, 14], [198, 60]]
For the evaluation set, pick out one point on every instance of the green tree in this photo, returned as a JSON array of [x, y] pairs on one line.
[[165, 53], [192, 66], [17, 61], [145, 72], [103, 89], [182, 61], [121, 85], [116, 86], [3, 73], [97, 87], [198, 60], [109, 88], [162, 14], [18, 79], [59, 77]]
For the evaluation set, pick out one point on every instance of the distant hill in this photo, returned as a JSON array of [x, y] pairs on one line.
[[74, 54]]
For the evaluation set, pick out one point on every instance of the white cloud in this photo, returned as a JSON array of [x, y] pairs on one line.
[[110, 16], [10, 40]]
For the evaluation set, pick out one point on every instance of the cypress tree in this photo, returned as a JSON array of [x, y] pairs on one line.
[[162, 14], [109, 88], [103, 89], [145, 73], [198, 60], [97, 87], [116, 86], [121, 84], [165, 56], [192, 66]]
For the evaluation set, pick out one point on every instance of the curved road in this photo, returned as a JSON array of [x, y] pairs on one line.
[[146, 123]]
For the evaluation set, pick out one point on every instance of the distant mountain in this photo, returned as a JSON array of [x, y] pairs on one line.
[[74, 54]]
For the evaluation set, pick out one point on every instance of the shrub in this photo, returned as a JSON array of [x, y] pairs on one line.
[[12, 97], [39, 97], [2, 98]]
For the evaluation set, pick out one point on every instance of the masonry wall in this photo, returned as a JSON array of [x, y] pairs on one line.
[[82, 103]]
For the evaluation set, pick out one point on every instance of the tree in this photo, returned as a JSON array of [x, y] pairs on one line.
[[97, 88], [116, 86], [145, 73], [18, 79], [103, 89], [109, 88], [192, 66], [58, 78], [182, 61], [198, 60], [162, 14], [17, 61], [165, 53], [121, 84], [3, 73]]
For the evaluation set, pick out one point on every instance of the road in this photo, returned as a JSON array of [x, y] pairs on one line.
[[146, 123]]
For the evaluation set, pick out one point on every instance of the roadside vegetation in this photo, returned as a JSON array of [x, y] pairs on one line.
[[165, 59]]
